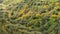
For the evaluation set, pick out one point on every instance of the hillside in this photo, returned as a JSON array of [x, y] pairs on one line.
[[29, 16]]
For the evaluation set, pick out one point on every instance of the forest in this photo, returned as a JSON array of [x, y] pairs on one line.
[[29, 16]]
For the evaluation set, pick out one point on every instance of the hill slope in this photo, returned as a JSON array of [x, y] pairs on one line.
[[30, 17]]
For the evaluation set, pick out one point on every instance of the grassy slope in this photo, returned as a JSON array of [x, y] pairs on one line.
[[29, 17]]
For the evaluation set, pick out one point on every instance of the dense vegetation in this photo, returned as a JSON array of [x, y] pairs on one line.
[[30, 17]]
